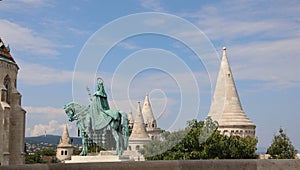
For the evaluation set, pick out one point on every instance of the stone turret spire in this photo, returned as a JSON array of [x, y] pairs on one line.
[[138, 137], [148, 115], [226, 107], [130, 120], [139, 130], [65, 147], [65, 138]]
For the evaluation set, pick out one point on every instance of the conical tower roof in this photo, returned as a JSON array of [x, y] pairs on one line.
[[65, 140], [226, 107], [5, 52], [139, 130], [147, 111], [130, 118]]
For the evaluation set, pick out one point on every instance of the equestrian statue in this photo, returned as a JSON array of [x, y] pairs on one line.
[[97, 122]]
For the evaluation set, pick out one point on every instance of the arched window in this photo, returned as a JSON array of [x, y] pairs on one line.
[[62, 153], [6, 93], [137, 147], [66, 152]]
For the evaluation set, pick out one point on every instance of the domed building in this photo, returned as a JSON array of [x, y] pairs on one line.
[[12, 115]]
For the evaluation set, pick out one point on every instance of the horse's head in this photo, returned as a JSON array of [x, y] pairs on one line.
[[70, 111]]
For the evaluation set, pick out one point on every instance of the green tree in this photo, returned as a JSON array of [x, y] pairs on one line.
[[48, 152], [282, 147], [199, 140], [36, 157], [223, 147]]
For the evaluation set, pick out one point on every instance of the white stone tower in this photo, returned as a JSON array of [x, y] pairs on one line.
[[138, 137], [150, 121], [226, 107], [130, 120], [64, 148], [12, 115]]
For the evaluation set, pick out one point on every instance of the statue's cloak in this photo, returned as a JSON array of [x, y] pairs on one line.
[[101, 115]]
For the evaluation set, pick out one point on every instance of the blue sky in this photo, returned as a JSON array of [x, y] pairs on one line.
[[262, 40]]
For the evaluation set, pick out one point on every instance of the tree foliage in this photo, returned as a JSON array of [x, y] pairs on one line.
[[36, 157], [229, 147], [282, 147], [48, 152], [199, 140]]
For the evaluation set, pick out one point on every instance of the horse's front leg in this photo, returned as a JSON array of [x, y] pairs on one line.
[[84, 144]]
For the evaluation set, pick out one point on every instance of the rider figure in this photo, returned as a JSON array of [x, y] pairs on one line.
[[100, 92]]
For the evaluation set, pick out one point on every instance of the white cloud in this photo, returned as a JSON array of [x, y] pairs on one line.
[[47, 119], [128, 45], [32, 1], [78, 31], [275, 64], [53, 127], [267, 50], [152, 4], [44, 110], [23, 5], [244, 19], [36, 74], [48, 113], [26, 40]]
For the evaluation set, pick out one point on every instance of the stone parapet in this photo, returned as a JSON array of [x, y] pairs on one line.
[[253, 164]]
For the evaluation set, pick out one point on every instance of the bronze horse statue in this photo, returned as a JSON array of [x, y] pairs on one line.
[[98, 119]]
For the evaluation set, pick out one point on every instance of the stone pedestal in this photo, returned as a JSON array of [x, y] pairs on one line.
[[103, 156]]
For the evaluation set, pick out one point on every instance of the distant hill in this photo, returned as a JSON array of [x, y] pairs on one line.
[[50, 139]]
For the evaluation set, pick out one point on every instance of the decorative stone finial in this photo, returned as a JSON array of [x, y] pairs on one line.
[[224, 48]]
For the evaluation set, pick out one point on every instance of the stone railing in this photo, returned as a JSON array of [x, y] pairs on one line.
[[253, 164]]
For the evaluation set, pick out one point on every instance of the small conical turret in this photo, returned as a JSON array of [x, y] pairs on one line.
[[65, 138], [148, 115], [130, 120], [64, 148], [139, 130]]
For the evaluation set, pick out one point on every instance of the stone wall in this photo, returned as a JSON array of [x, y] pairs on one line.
[[172, 165]]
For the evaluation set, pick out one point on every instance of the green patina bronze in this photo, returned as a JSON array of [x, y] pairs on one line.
[[97, 122]]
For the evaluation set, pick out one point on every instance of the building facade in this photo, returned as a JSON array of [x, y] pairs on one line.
[[226, 107], [12, 115]]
